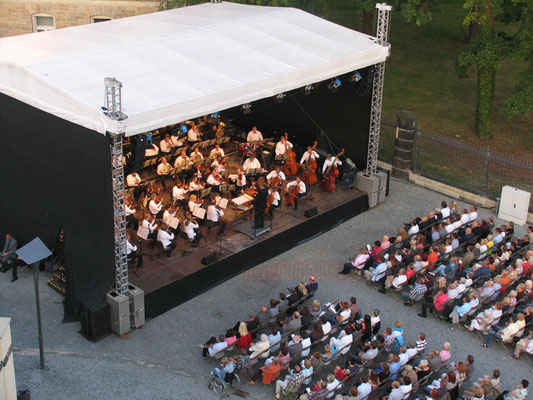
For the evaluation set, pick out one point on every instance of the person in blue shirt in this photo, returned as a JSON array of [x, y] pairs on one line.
[[460, 311], [227, 367]]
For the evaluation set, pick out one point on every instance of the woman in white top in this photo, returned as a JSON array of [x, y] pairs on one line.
[[166, 239]]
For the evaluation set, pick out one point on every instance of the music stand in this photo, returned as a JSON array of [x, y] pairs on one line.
[[32, 253], [205, 192]]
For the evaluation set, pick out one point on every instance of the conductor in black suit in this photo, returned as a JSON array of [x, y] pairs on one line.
[[260, 205]]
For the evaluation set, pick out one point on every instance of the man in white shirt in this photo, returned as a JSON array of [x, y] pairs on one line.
[[343, 341], [219, 165], [464, 217], [166, 240], [301, 193], [189, 227], [166, 144], [133, 180], [214, 180], [177, 141], [276, 199], [240, 180], [310, 153], [156, 206], [193, 134], [329, 161], [131, 251], [364, 389], [182, 161], [275, 340], [277, 173], [163, 169], [149, 223], [151, 150], [254, 135], [178, 192], [214, 213], [251, 163], [282, 145], [216, 151], [196, 155], [445, 210], [396, 393], [472, 215], [130, 214]]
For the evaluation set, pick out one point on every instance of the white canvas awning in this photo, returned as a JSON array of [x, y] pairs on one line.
[[178, 64]]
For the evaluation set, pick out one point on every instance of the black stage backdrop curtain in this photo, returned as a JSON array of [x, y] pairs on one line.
[[57, 174], [344, 116]]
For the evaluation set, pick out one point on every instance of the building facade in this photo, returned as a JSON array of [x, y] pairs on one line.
[[25, 16]]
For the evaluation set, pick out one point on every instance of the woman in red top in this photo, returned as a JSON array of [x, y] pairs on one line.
[[245, 339]]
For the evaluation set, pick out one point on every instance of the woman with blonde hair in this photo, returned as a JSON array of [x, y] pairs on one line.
[[245, 337], [301, 289], [315, 310]]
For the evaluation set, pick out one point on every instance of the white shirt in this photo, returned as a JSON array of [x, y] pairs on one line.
[[151, 150], [464, 219], [453, 293], [457, 224], [414, 229], [240, 181], [275, 341], [364, 390], [133, 180], [177, 193], [396, 394], [219, 346], [214, 153], [167, 215], [248, 164], [192, 134], [163, 169], [276, 197], [182, 161], [189, 229], [329, 162], [155, 207], [196, 155], [301, 185], [411, 352], [130, 247], [175, 141], [165, 146], [151, 226], [213, 213], [404, 358], [445, 212], [281, 148], [129, 211], [379, 272], [165, 237], [274, 174], [326, 328], [472, 216], [217, 166], [306, 344], [331, 388], [212, 181], [192, 205], [314, 155], [399, 280], [193, 186], [449, 228], [342, 343], [254, 136]]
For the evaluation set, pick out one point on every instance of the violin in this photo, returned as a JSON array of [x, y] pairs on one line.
[[291, 194], [309, 176], [218, 177], [252, 190], [270, 199], [291, 165], [327, 184]]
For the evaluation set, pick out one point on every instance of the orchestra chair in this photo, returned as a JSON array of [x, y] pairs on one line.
[[187, 244], [159, 249]]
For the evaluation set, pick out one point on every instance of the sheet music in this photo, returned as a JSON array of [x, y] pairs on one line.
[[199, 212], [173, 222], [142, 232], [221, 202], [240, 200]]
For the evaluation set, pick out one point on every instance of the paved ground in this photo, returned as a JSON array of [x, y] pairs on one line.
[[162, 361]]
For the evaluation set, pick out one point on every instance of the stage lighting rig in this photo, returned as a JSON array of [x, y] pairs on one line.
[[280, 97], [355, 77], [309, 88], [247, 108], [334, 85]]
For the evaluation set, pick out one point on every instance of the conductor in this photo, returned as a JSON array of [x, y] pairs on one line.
[[260, 205]]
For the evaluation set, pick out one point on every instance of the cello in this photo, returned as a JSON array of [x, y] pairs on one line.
[[327, 184], [291, 194], [309, 175], [291, 165]]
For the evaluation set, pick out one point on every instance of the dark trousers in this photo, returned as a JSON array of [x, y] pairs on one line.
[[170, 248], [427, 303], [259, 218], [347, 268], [222, 225], [11, 264], [197, 238], [134, 256], [130, 219], [297, 198]]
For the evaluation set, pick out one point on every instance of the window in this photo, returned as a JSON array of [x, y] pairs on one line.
[[43, 22], [95, 20]]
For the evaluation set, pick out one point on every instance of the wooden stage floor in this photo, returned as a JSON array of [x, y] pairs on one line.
[[160, 270]]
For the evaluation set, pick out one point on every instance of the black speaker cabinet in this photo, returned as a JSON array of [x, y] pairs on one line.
[[311, 212], [210, 259], [95, 321]]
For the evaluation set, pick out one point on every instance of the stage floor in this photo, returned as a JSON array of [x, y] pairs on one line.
[[160, 271]]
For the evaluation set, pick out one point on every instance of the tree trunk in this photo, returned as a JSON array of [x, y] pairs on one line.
[[368, 22], [486, 77], [473, 30]]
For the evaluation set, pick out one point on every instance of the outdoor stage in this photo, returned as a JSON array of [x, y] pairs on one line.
[[170, 281]]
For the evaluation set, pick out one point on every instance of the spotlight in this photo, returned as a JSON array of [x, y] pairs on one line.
[[309, 88], [334, 85], [215, 117], [246, 108], [280, 97], [355, 77]]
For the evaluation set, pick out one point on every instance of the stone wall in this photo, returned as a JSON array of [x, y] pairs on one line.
[[16, 15]]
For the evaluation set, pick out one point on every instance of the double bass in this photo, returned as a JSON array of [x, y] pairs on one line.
[[327, 184], [291, 165], [291, 194], [309, 175]]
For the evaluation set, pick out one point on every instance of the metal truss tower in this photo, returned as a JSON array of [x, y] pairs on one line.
[[382, 34]]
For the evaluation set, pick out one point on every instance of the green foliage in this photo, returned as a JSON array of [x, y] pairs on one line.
[[417, 11]]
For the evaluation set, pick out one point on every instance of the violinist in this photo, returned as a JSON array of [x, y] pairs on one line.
[[130, 214], [260, 204], [178, 192], [329, 161], [251, 163], [215, 180], [196, 155], [195, 185], [274, 199], [240, 180], [167, 239], [163, 169], [213, 214], [254, 135], [219, 165], [183, 161], [291, 186], [276, 177], [170, 212], [282, 146], [149, 223], [194, 202], [310, 153], [166, 144], [131, 251], [190, 227], [156, 206], [133, 180], [216, 151]]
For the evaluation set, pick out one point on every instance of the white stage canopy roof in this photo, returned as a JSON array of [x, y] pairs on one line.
[[178, 64]]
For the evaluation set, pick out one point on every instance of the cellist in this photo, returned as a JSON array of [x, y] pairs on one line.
[[295, 190], [282, 146], [309, 153], [276, 177], [273, 200], [329, 161]]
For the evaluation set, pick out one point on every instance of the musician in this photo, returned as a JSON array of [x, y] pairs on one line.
[[194, 134], [189, 227], [149, 223], [196, 155], [168, 214], [329, 161], [260, 204], [151, 150], [219, 165], [215, 180], [254, 135], [214, 213], [309, 153], [276, 200], [195, 185], [193, 202], [177, 140], [131, 251], [178, 191], [302, 189], [216, 151], [163, 169], [182, 161], [130, 214], [156, 206], [166, 239], [240, 180], [282, 145], [251, 163], [277, 173], [133, 180], [166, 144]]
